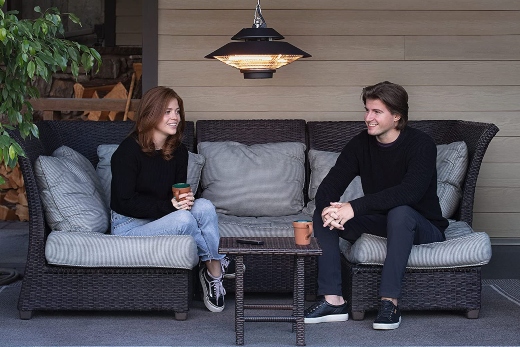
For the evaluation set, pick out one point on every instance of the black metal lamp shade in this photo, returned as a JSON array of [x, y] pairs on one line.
[[259, 52]]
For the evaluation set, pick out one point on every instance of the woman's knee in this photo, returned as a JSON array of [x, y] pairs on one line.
[[203, 206]]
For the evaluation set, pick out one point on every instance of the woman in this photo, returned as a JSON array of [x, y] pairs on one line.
[[144, 167]]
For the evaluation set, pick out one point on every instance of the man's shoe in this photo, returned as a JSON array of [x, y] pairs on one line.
[[228, 267], [322, 312], [388, 317], [213, 290]]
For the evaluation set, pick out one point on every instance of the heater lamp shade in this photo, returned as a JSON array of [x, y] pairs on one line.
[[258, 55]]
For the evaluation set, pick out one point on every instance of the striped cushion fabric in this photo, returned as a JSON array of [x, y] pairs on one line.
[[259, 180], [452, 162], [233, 226], [462, 247], [76, 249], [70, 192]]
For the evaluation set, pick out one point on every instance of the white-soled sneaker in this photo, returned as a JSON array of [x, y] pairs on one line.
[[213, 290], [388, 317]]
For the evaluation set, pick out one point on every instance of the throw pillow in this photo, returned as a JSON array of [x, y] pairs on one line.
[[195, 164], [70, 192], [452, 163], [257, 180]]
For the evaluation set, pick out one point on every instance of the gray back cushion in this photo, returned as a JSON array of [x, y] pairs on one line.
[[71, 192], [257, 180]]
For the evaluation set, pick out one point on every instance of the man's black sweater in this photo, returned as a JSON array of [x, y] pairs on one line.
[[403, 173], [142, 183]]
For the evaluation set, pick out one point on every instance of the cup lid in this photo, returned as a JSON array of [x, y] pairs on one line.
[[180, 185]]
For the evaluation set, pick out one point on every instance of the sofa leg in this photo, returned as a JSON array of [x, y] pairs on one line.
[[472, 314], [25, 314], [358, 315], [181, 315]]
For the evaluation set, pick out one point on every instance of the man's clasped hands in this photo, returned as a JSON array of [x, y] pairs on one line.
[[336, 215]]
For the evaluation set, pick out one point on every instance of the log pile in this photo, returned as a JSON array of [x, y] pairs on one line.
[[13, 200]]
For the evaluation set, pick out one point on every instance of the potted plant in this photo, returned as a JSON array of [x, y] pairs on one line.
[[31, 49]]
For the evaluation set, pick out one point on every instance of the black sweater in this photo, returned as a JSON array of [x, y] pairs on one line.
[[142, 183], [403, 173]]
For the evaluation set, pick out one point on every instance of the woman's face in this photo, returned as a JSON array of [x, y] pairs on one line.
[[168, 124]]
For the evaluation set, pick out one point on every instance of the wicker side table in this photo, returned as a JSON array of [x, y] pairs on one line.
[[271, 246]]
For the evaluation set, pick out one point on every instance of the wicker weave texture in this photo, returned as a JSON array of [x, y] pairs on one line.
[[50, 287]]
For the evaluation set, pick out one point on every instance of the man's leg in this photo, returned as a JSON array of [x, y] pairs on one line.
[[332, 307], [405, 227]]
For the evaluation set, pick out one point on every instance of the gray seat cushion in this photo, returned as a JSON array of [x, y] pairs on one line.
[[463, 247], [103, 250], [233, 226]]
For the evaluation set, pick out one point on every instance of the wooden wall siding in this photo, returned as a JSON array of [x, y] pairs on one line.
[[129, 23], [458, 59]]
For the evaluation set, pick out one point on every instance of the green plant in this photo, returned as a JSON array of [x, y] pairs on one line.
[[28, 49]]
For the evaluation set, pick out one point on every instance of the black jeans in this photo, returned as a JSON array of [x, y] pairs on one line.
[[402, 226]]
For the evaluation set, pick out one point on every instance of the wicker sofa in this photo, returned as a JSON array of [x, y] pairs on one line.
[[450, 286], [49, 286]]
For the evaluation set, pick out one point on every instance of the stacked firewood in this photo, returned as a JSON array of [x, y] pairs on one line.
[[13, 200]]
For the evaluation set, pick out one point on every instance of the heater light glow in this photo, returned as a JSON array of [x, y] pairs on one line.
[[258, 62]]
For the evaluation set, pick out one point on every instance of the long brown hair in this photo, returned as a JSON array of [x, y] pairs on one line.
[[150, 112]]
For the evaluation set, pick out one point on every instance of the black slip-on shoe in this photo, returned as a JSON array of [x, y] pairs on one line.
[[323, 312], [388, 317]]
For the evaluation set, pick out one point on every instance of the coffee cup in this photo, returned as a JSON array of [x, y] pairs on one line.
[[179, 189], [302, 232]]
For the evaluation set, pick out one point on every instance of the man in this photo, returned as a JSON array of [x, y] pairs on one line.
[[397, 165]]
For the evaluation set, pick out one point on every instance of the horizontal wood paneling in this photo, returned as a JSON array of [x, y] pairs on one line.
[[129, 39], [497, 200], [339, 73], [497, 224], [503, 150], [505, 47], [129, 7], [129, 24], [499, 175], [192, 48], [330, 22], [422, 5]]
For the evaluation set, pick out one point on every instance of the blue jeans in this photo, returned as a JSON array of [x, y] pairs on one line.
[[402, 226], [201, 222]]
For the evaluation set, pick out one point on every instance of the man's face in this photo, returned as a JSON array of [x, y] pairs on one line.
[[380, 122]]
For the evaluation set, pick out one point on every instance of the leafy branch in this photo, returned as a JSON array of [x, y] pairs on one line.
[[31, 49]]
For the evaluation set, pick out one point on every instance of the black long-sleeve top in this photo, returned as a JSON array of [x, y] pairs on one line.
[[142, 183], [403, 173]]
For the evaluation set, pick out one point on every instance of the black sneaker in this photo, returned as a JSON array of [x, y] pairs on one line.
[[322, 312], [213, 290], [228, 267], [388, 317]]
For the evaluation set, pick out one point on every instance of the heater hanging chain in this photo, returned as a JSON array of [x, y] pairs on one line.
[[259, 19]]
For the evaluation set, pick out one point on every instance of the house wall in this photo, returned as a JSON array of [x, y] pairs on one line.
[[129, 23], [458, 59]]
